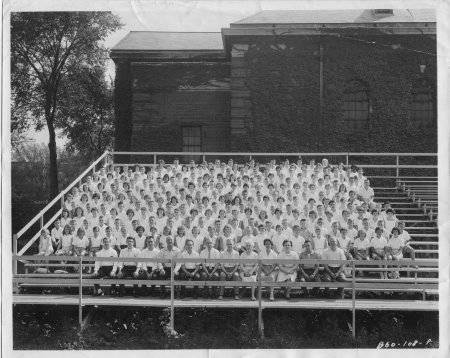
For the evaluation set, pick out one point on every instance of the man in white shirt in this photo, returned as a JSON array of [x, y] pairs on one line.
[[128, 269], [148, 270], [229, 271], [334, 272], [209, 269], [105, 268], [189, 271]]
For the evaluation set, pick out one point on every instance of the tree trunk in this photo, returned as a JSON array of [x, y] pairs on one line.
[[54, 187], [49, 116]]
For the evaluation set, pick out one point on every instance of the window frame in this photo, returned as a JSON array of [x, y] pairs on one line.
[[355, 107], [423, 86], [194, 145]]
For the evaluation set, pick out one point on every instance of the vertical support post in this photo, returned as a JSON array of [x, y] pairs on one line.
[[260, 324], [14, 268], [80, 294], [172, 296], [62, 200], [106, 160], [203, 157], [250, 158], [41, 221], [346, 160], [321, 93], [353, 300], [397, 169], [154, 159]]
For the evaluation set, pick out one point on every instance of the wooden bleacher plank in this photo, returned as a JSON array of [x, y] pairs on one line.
[[298, 303]]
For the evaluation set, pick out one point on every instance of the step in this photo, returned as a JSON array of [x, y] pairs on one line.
[[426, 251], [424, 235], [429, 243]]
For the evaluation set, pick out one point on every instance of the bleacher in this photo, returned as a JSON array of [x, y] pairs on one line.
[[414, 199]]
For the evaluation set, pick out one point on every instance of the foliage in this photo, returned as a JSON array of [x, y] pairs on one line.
[[87, 107], [131, 328], [47, 50]]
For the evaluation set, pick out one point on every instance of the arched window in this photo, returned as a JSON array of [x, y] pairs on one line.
[[423, 105], [356, 104]]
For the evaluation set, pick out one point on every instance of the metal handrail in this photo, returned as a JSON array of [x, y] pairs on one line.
[[60, 195], [351, 284]]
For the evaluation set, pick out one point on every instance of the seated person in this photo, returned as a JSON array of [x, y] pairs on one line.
[[128, 269], [334, 272], [378, 248], [287, 272], [148, 270], [229, 271], [268, 271], [210, 271], [165, 269], [105, 268], [248, 270], [189, 271], [309, 272]]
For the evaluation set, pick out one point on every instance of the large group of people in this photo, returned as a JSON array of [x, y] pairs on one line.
[[278, 211]]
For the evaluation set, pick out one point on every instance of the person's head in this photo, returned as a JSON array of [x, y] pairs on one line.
[[169, 242], [208, 243], [106, 243], [67, 229], [248, 246], [189, 245], [287, 245], [80, 233], [130, 242], [229, 244], [362, 234], [268, 244], [308, 246], [332, 242], [395, 231]]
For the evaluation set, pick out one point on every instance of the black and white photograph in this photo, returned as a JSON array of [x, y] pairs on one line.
[[211, 178]]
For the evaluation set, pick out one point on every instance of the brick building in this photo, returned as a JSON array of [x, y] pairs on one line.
[[291, 81]]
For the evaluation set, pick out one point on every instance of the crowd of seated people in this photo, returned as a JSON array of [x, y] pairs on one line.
[[284, 211]]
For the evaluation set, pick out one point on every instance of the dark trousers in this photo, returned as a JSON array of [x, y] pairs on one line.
[[316, 278], [166, 276], [149, 274], [127, 272], [340, 278], [184, 277], [103, 271]]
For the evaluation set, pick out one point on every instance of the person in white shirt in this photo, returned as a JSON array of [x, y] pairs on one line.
[[334, 272], [147, 269], [248, 270], [268, 271], [309, 272], [189, 271], [287, 272], [128, 269], [210, 270], [56, 234], [229, 271], [407, 249], [379, 248], [105, 268], [395, 250]]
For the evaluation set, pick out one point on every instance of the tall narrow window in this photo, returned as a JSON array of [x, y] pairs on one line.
[[423, 108], [192, 142], [356, 105]]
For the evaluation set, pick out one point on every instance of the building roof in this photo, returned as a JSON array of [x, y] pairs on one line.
[[336, 17], [170, 41]]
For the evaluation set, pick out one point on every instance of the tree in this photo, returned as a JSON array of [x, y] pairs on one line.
[[88, 109], [47, 49]]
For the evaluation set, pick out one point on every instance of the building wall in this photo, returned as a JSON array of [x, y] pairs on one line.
[[280, 76], [168, 96]]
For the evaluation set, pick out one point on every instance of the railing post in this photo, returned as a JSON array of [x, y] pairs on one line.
[[353, 300], [346, 160], [397, 163], [41, 221], [203, 157], [260, 320], [154, 159], [172, 296], [80, 294], [62, 202], [14, 246]]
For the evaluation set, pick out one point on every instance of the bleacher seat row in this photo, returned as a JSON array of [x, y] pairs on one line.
[[284, 211]]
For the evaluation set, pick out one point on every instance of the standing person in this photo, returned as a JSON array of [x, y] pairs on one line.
[[128, 269], [334, 272], [105, 268], [309, 272], [248, 270], [45, 248], [209, 270], [189, 271], [229, 271], [165, 269], [268, 271], [287, 272], [148, 270], [64, 247]]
